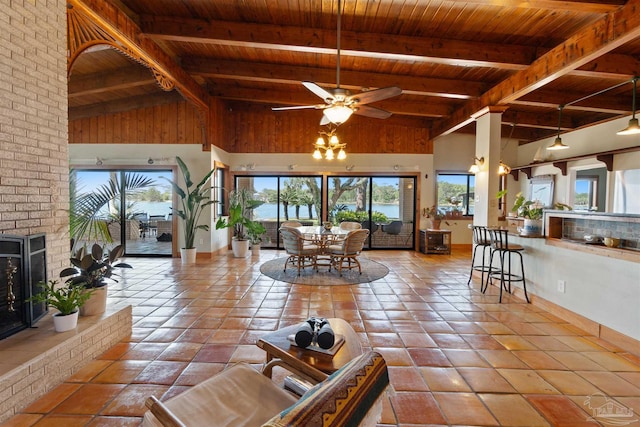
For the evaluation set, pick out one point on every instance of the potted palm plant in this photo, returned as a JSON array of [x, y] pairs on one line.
[[241, 206], [90, 271], [193, 199], [67, 299]]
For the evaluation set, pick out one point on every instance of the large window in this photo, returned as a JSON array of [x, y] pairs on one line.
[[455, 192]]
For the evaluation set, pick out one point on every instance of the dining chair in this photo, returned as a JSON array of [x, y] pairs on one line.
[[344, 255], [291, 224], [350, 225], [302, 253]]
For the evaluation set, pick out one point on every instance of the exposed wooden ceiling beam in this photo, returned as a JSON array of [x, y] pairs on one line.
[[595, 40], [569, 5], [607, 104], [381, 46], [276, 73]]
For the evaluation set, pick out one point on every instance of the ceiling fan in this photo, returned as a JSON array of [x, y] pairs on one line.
[[340, 103]]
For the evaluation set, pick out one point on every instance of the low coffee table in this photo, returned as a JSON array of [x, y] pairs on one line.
[[316, 365]]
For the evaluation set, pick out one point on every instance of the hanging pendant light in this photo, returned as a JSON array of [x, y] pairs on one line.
[[634, 127], [557, 144]]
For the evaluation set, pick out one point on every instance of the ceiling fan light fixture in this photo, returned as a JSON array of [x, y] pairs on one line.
[[338, 114]]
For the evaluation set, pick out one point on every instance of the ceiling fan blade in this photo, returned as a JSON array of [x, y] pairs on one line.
[[299, 107], [376, 95], [368, 111], [322, 93]]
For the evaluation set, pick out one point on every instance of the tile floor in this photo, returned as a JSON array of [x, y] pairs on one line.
[[455, 356]]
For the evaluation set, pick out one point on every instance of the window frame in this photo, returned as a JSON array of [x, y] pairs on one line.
[[469, 194]]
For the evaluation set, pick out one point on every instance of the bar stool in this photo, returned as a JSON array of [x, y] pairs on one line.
[[481, 239], [500, 245]]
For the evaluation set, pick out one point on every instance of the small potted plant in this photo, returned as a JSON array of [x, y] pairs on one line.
[[90, 271], [67, 299], [436, 216], [532, 212]]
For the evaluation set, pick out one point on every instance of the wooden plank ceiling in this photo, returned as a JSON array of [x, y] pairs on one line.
[[451, 58]]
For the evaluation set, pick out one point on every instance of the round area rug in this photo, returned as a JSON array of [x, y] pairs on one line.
[[371, 271]]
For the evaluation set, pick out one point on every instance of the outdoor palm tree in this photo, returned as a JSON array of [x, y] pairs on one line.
[[85, 209]]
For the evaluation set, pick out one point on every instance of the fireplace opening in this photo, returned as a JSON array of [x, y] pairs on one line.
[[23, 263]]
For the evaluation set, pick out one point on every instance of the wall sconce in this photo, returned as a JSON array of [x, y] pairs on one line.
[[503, 169], [634, 127], [349, 167], [248, 167], [99, 161], [332, 143], [477, 164], [557, 144], [292, 167]]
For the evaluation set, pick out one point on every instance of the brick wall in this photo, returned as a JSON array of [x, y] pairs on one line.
[[34, 190]]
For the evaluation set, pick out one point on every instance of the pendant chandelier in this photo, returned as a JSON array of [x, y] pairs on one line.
[[329, 143]]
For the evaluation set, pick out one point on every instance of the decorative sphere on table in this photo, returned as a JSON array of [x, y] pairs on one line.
[[327, 225]]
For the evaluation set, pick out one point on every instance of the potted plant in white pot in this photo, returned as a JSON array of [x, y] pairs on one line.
[[532, 212], [241, 206], [67, 299], [90, 271], [193, 199]]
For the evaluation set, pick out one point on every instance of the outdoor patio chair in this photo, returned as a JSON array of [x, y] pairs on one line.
[[241, 396], [344, 255], [302, 252]]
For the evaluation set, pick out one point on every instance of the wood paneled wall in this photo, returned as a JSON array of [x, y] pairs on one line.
[[248, 128], [257, 129], [174, 123]]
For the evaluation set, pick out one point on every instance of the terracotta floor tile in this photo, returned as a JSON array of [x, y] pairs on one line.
[[195, 373], [89, 371], [416, 408], [22, 420], [539, 360], [464, 358], [55, 420], [52, 399], [130, 402], [215, 353], [560, 411], [495, 328], [449, 341], [568, 382], [160, 372], [485, 380], [121, 372], [580, 343], [406, 379], [116, 351], [378, 339], [547, 343], [395, 356], [514, 342], [611, 361], [512, 410], [180, 351], [416, 339], [114, 422], [429, 357], [145, 351], [527, 381], [485, 342], [89, 399], [437, 327], [502, 359], [164, 335], [610, 383], [249, 354], [444, 379], [575, 361], [464, 409]]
